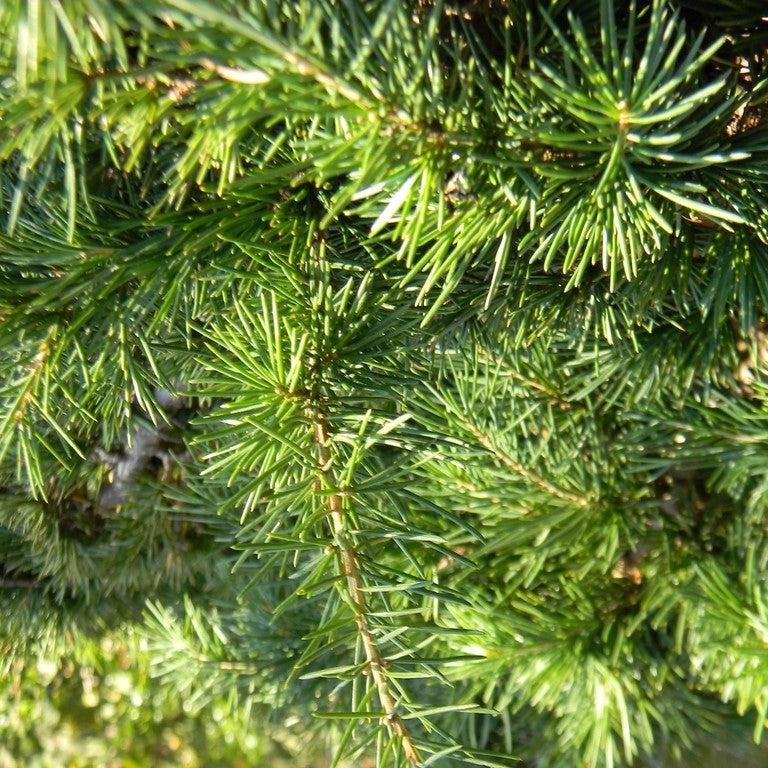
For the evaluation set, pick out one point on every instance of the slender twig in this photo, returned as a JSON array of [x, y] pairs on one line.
[[349, 564], [545, 389], [252, 76], [19, 584], [522, 470]]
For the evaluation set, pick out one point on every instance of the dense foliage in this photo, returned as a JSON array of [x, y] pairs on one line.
[[392, 372]]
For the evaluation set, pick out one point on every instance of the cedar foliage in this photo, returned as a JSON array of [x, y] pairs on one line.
[[394, 366]]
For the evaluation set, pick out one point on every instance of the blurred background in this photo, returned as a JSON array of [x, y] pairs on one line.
[[109, 711]]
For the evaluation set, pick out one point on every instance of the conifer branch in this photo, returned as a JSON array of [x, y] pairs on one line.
[[171, 170], [348, 557]]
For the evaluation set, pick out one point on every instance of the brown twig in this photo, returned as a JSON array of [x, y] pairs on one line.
[[19, 584]]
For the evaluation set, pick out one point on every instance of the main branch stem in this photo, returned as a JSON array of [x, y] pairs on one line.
[[352, 572]]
